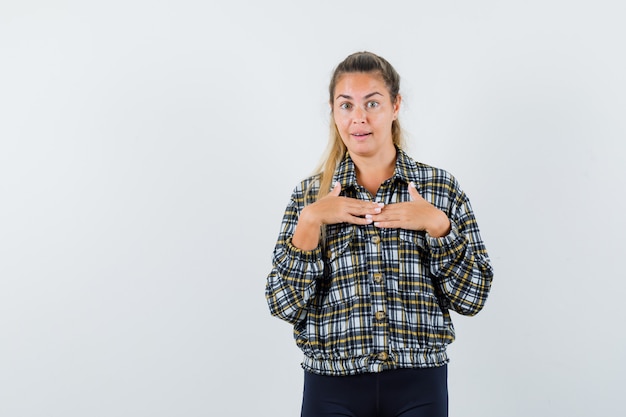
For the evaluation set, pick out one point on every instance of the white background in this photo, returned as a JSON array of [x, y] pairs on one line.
[[148, 149]]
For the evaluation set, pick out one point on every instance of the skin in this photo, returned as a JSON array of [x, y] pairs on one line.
[[363, 113]]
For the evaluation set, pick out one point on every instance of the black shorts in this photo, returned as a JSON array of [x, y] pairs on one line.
[[420, 392]]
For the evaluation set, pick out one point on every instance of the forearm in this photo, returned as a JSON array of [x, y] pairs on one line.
[[292, 281], [439, 224], [462, 271], [307, 234]]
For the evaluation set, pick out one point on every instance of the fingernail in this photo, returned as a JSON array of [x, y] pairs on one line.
[[368, 216]]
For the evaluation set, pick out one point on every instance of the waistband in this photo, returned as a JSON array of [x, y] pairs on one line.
[[378, 362]]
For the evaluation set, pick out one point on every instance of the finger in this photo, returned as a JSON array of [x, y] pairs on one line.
[[336, 190], [387, 225], [415, 195], [385, 217], [360, 208], [360, 220], [368, 209]]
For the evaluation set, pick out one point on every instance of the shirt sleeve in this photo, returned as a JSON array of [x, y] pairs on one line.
[[459, 261], [293, 279]]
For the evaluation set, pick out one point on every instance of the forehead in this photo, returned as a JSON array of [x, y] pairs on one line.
[[357, 84]]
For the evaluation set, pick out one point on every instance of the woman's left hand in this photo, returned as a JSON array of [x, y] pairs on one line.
[[417, 214]]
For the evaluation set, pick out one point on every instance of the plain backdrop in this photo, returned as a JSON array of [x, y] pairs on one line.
[[148, 149]]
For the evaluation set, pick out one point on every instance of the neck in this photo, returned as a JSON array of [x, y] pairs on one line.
[[373, 171]]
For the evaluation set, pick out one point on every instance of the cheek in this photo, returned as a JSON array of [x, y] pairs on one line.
[[341, 122], [384, 121], [342, 128]]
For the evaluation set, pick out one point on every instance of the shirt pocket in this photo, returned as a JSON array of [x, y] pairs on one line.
[[331, 330], [342, 266], [415, 237], [426, 323], [414, 262]]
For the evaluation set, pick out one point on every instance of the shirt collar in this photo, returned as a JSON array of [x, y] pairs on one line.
[[405, 171], [406, 168]]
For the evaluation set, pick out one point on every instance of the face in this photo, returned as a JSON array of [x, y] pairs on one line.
[[363, 113]]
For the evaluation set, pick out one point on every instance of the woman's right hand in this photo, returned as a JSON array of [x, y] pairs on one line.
[[331, 209]]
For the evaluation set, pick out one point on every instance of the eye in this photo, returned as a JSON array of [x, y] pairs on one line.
[[345, 106], [372, 104]]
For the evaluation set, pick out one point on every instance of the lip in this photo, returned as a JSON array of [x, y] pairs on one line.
[[360, 135]]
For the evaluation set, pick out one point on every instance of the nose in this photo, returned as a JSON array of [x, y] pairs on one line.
[[358, 115]]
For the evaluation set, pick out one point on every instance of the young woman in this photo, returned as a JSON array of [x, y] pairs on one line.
[[373, 252]]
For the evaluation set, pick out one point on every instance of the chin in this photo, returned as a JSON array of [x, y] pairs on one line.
[[362, 150]]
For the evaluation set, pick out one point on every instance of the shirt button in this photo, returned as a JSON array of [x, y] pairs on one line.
[[382, 356], [376, 240], [378, 278], [380, 315]]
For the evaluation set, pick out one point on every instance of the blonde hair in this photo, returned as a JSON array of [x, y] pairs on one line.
[[364, 62]]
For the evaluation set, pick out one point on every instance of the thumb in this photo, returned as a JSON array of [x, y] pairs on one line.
[[415, 195], [336, 190]]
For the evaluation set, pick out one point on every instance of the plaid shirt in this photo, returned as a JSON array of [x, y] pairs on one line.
[[370, 299]]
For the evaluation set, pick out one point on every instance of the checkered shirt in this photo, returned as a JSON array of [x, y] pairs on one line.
[[370, 299]]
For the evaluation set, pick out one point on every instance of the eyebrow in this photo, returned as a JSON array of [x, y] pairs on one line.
[[350, 97]]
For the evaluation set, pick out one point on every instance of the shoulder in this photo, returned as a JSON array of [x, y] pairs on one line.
[[306, 190], [425, 174]]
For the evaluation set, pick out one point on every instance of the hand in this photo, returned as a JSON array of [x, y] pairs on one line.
[[417, 214], [331, 209]]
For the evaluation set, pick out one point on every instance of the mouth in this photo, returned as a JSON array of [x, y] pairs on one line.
[[360, 135]]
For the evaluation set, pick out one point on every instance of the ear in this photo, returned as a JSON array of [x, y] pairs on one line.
[[396, 106]]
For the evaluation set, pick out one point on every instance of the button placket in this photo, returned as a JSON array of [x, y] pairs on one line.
[[378, 298]]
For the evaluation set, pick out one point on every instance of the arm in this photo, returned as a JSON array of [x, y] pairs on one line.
[[288, 298], [297, 263], [459, 264], [292, 280]]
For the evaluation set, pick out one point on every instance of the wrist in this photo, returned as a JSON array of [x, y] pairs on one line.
[[307, 219], [440, 226], [307, 233]]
